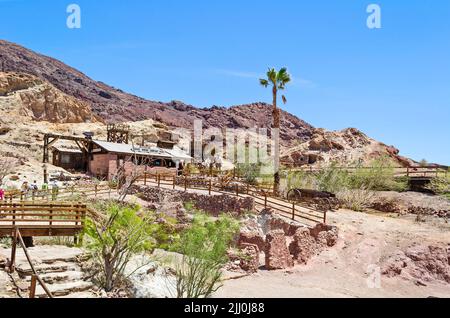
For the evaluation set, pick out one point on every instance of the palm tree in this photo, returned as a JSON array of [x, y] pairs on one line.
[[278, 81]]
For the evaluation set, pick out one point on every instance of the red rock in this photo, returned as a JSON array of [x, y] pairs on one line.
[[326, 235], [277, 252], [250, 260], [304, 246], [246, 238]]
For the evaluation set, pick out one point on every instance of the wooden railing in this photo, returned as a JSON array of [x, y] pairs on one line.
[[263, 197], [59, 193], [35, 278], [424, 172], [42, 219]]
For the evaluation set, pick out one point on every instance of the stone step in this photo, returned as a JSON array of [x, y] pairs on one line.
[[64, 289], [24, 269], [56, 277], [80, 295]]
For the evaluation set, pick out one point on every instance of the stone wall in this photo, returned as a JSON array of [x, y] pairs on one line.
[[285, 242], [213, 205]]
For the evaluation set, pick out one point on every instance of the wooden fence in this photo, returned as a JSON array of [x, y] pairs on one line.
[[264, 198]]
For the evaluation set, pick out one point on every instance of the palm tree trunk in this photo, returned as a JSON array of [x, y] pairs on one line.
[[276, 139]]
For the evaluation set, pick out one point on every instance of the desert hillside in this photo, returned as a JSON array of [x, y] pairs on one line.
[[42, 91]]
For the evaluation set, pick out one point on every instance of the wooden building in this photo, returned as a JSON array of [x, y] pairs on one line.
[[103, 159], [69, 159]]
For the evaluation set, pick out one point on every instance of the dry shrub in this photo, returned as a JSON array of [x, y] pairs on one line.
[[356, 199]]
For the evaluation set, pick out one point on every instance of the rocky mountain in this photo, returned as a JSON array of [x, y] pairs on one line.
[[46, 89], [114, 105]]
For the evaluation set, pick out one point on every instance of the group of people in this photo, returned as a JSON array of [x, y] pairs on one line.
[[28, 190]]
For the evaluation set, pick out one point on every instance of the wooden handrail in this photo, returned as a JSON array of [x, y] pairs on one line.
[[35, 277]]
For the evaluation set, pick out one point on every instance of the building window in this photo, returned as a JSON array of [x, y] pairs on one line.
[[65, 159]]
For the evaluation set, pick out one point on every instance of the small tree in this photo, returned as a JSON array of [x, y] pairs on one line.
[[204, 247], [113, 240]]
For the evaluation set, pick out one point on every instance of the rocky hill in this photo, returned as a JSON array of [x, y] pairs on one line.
[[114, 105], [28, 96], [45, 89]]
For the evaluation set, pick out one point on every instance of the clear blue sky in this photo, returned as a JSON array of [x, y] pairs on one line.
[[392, 83]]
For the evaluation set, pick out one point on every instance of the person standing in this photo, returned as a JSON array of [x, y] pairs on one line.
[[55, 191]]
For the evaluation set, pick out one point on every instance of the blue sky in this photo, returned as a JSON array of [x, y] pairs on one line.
[[392, 83]]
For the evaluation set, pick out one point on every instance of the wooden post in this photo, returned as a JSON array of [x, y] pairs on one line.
[[174, 182], [12, 263], [265, 200], [325, 217], [293, 211], [51, 218], [237, 189], [210, 185], [96, 190], [159, 181], [33, 286], [145, 178]]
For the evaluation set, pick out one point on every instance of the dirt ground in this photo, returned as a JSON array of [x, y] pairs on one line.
[[351, 269]]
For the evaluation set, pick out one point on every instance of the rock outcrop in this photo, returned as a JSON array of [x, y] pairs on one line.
[[349, 146], [35, 98], [423, 263]]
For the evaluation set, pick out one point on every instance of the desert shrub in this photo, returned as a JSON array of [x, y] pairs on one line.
[[379, 176], [249, 172], [204, 247], [355, 199], [332, 179], [299, 180], [439, 185], [114, 239]]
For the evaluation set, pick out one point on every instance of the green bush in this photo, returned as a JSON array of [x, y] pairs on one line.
[[114, 239], [439, 185], [249, 172], [379, 176], [204, 247], [332, 179]]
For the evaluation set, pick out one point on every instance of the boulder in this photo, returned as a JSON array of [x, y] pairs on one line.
[[325, 235], [304, 246], [246, 238], [277, 252], [423, 263], [250, 258]]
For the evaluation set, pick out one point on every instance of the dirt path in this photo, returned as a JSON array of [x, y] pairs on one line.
[[346, 270]]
